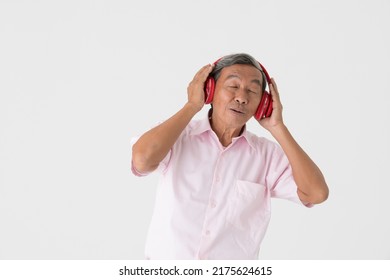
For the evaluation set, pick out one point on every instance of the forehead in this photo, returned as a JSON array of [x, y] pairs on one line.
[[241, 71]]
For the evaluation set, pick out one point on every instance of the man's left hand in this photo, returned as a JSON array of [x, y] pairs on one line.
[[276, 119]]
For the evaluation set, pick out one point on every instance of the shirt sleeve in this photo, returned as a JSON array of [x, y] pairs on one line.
[[281, 178], [161, 167]]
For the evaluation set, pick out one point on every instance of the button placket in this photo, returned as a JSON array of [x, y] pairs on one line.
[[217, 174], [207, 230]]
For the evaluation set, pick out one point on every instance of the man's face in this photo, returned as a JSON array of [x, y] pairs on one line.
[[237, 95]]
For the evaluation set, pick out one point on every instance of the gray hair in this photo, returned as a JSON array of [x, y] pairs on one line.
[[239, 58]]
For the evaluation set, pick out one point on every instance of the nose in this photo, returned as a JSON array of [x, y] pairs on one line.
[[241, 97]]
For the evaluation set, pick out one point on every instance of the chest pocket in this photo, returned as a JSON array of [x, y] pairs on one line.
[[249, 209]]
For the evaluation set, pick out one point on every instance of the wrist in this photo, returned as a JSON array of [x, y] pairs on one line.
[[278, 130], [192, 107]]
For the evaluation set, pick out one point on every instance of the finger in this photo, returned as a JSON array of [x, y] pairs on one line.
[[274, 94], [274, 83], [208, 69], [274, 87], [204, 72]]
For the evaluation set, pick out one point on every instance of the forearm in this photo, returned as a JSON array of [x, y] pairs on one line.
[[308, 177], [154, 145]]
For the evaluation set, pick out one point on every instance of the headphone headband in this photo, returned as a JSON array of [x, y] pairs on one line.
[[263, 70]]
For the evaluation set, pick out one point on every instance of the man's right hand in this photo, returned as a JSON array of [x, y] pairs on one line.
[[195, 89]]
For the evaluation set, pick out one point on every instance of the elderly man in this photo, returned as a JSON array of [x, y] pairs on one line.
[[217, 178]]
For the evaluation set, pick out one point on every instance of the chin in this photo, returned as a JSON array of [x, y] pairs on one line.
[[238, 121]]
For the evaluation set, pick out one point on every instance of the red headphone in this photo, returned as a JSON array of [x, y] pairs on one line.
[[265, 107]]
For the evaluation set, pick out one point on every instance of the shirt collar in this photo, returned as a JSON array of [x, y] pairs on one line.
[[203, 125]]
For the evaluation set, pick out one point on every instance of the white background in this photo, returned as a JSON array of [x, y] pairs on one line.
[[78, 79]]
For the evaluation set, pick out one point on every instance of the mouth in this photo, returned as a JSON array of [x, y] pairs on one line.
[[237, 111]]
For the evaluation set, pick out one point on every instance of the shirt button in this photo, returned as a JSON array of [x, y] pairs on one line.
[[207, 232], [213, 205]]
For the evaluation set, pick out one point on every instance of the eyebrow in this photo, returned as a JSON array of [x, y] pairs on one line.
[[256, 81]]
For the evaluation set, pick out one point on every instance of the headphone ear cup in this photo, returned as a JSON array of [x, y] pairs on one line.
[[209, 88], [265, 107]]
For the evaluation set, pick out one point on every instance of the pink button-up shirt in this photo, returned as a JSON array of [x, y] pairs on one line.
[[215, 202]]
